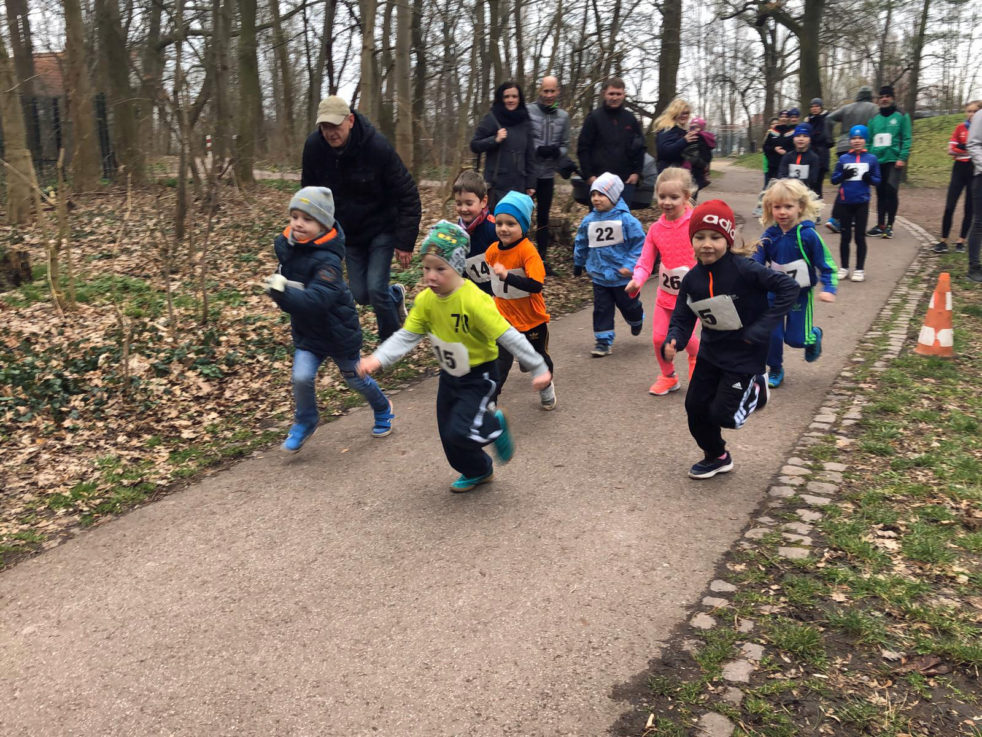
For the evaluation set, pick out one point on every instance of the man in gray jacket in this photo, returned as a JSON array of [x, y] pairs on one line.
[[550, 135], [974, 146], [855, 113]]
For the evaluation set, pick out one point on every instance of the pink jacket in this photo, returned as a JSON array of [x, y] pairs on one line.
[[668, 239]]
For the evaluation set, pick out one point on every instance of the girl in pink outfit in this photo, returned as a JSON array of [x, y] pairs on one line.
[[668, 240]]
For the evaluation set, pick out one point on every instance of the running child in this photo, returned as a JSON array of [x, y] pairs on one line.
[[608, 243], [668, 244], [857, 170], [470, 194], [465, 331], [323, 320], [519, 277], [728, 294], [790, 244]]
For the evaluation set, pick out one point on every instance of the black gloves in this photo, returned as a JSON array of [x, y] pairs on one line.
[[848, 172], [577, 271], [548, 152], [867, 177]]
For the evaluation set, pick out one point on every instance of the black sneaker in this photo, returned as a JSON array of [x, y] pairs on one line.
[[888, 231], [975, 273], [636, 329], [549, 270], [709, 467], [875, 231], [940, 247], [601, 349], [960, 247]]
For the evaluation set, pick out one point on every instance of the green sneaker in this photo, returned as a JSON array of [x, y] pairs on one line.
[[466, 483], [504, 444]]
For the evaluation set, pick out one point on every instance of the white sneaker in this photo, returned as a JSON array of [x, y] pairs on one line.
[[843, 274], [547, 397], [858, 275]]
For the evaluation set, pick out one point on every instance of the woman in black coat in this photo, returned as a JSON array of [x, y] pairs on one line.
[[673, 133], [505, 136]]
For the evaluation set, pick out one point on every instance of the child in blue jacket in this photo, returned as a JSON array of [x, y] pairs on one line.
[[790, 244], [858, 171], [608, 243], [323, 320]]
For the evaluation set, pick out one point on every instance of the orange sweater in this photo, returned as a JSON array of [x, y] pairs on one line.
[[522, 309]]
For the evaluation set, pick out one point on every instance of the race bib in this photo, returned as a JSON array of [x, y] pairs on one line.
[[602, 233], [860, 170], [452, 357], [669, 280], [882, 140], [798, 171], [506, 291], [478, 269], [797, 270], [717, 313]]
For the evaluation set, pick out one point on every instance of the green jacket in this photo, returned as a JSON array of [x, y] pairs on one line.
[[890, 137]]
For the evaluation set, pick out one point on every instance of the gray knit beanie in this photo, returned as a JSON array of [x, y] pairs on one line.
[[318, 202]]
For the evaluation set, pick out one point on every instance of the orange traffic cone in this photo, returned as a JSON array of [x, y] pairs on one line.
[[937, 337]]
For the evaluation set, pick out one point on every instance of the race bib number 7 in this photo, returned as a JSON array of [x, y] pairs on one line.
[[507, 291], [602, 233]]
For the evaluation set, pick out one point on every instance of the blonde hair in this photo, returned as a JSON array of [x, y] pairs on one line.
[[677, 175], [668, 117], [789, 190]]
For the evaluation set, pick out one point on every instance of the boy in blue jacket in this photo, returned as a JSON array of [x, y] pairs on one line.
[[323, 320], [608, 243], [791, 245], [857, 170]]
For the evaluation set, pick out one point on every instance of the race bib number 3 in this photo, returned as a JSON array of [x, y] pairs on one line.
[[604, 233], [477, 269], [717, 313], [882, 140], [452, 357], [669, 280], [798, 171], [505, 290]]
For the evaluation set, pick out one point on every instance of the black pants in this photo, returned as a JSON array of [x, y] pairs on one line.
[[822, 176], [539, 338], [961, 179], [605, 300], [466, 423], [853, 215], [837, 205], [543, 196], [718, 399], [887, 196], [975, 239]]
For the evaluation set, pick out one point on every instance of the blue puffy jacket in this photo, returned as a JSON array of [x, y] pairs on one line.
[[854, 191], [609, 241]]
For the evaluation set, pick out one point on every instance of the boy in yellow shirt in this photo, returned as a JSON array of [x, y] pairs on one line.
[[465, 330]]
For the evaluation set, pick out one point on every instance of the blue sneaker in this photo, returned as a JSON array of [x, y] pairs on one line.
[[504, 444], [709, 467], [813, 351], [466, 483], [297, 436], [833, 225], [775, 377], [383, 422]]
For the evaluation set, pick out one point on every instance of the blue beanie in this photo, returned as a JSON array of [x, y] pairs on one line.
[[803, 129], [859, 130], [519, 206]]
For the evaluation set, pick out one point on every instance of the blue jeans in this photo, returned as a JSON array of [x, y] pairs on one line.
[[369, 269], [305, 365]]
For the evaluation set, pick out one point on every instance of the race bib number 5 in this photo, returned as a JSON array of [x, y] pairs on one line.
[[717, 313], [452, 357], [604, 233]]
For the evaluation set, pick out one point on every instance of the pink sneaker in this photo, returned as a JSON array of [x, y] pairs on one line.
[[664, 384]]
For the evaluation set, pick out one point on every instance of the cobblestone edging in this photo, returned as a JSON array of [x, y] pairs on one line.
[[810, 488]]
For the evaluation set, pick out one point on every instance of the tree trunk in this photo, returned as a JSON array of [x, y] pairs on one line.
[[809, 63], [86, 167], [368, 84], [220, 72], [249, 93], [916, 53], [420, 71], [129, 142], [20, 176], [404, 103], [285, 108], [670, 54], [22, 49]]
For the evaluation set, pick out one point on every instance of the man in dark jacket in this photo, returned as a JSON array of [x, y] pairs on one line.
[[611, 141], [821, 143], [377, 204], [550, 133]]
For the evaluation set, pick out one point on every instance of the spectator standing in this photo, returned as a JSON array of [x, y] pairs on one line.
[[821, 142], [376, 201], [891, 139], [855, 113], [611, 140], [673, 134], [550, 133], [974, 145], [505, 136]]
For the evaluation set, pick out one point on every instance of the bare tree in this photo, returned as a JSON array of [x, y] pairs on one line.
[[249, 93], [85, 166], [21, 180]]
